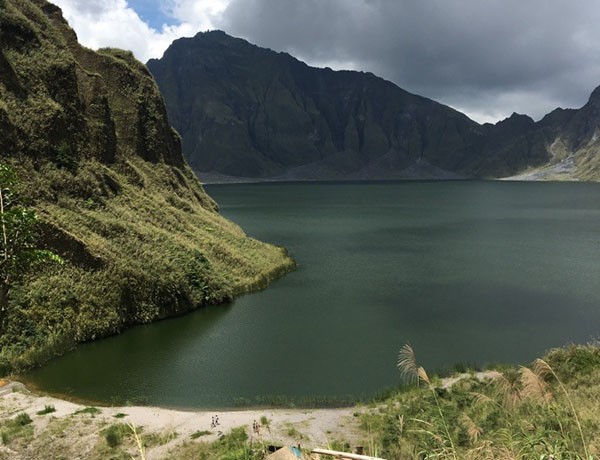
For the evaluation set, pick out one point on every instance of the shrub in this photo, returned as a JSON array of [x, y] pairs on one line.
[[48, 409], [198, 434], [88, 410], [23, 419], [114, 434]]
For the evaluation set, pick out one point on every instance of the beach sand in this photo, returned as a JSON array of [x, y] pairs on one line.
[[73, 434]]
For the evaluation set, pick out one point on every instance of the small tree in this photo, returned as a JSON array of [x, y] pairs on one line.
[[18, 251]]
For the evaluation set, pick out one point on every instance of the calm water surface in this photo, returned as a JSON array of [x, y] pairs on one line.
[[465, 271]]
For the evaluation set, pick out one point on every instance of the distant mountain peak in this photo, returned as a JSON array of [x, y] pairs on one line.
[[595, 97], [517, 119], [216, 34], [520, 116], [248, 111]]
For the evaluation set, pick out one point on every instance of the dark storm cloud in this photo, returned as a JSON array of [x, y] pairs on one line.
[[486, 57]]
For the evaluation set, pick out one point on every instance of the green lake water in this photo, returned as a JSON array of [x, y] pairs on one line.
[[467, 272]]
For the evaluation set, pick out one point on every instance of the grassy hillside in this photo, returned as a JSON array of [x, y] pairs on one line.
[[97, 159]]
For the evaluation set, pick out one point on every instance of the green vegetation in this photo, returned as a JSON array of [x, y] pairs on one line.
[[154, 439], [18, 239], [293, 432], [114, 434], [22, 419], [18, 427], [102, 170], [48, 409], [158, 439], [231, 446], [88, 410], [144, 271], [548, 410]]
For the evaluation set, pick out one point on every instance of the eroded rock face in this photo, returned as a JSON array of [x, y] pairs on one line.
[[248, 111], [251, 112], [96, 105]]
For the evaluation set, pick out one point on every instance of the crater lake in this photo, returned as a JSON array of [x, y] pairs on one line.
[[466, 272]]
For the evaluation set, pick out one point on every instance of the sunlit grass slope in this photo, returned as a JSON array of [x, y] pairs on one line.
[[88, 134]]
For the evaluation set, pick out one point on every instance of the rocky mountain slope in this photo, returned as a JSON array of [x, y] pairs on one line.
[[88, 134], [250, 112]]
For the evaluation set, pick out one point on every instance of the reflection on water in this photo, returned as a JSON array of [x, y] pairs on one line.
[[464, 271]]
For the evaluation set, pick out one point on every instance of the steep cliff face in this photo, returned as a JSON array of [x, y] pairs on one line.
[[64, 99], [248, 111], [579, 135], [97, 159], [571, 140]]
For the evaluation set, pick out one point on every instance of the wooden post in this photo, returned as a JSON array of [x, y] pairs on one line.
[[344, 455]]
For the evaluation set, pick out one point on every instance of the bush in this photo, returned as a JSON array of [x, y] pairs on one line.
[[23, 419], [114, 434], [66, 157], [48, 409], [19, 426], [88, 410], [198, 434]]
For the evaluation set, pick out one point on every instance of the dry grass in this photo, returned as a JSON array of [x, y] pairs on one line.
[[534, 386], [548, 410], [407, 364], [473, 431]]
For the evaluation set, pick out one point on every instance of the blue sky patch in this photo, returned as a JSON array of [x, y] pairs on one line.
[[152, 12]]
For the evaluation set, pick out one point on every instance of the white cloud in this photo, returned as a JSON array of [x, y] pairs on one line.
[[113, 23], [203, 14], [87, 7], [487, 58]]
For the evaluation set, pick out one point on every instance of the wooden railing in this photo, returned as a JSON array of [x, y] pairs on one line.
[[344, 455]]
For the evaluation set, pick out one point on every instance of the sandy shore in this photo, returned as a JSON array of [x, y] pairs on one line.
[[307, 427], [75, 431]]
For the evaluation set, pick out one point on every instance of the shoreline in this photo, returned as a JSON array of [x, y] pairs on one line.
[[286, 426], [62, 429], [34, 389], [532, 176]]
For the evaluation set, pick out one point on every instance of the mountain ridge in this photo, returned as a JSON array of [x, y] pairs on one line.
[[253, 113]]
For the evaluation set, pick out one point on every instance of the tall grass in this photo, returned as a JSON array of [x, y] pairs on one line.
[[529, 412], [407, 363], [543, 369]]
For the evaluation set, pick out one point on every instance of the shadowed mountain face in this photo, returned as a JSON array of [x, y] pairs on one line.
[[250, 112]]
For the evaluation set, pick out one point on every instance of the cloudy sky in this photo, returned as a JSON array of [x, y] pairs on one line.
[[487, 58]]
